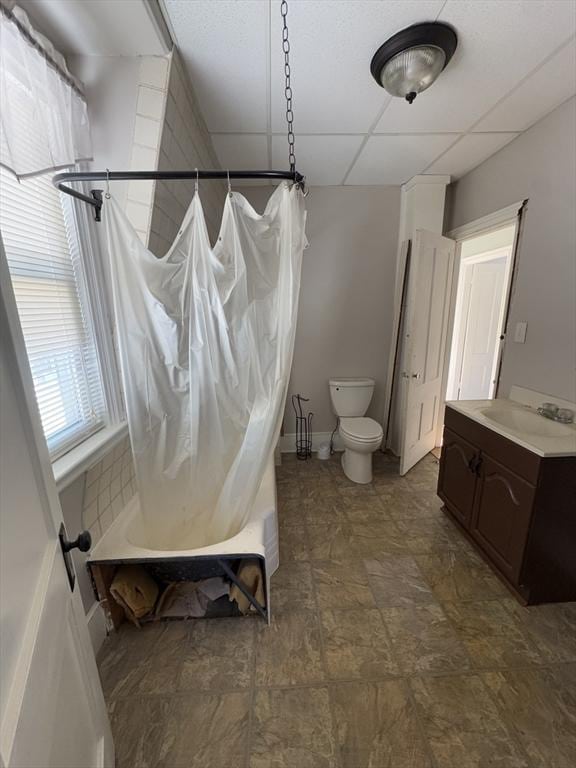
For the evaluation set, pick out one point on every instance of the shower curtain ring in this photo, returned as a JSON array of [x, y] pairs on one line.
[[229, 185], [107, 195], [196, 182]]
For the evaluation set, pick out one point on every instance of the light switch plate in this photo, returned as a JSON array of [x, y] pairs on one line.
[[520, 333]]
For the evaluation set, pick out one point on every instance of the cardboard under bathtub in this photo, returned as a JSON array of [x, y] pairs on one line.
[[144, 592]]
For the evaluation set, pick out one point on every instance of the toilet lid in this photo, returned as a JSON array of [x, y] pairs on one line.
[[361, 428]]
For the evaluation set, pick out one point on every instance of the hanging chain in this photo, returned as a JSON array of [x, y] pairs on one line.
[[287, 85]]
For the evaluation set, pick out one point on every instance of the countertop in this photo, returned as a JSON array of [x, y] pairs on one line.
[[522, 424]]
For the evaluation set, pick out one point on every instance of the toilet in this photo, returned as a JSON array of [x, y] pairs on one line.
[[360, 435]]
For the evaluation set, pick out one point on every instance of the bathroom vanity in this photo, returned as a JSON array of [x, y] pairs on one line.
[[508, 479]]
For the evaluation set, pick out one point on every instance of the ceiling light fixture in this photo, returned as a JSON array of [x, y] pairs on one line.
[[411, 60]]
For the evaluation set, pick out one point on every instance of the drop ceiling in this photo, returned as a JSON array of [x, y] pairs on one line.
[[515, 62]]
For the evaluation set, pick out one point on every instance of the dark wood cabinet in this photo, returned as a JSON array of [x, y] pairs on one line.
[[518, 508], [458, 477]]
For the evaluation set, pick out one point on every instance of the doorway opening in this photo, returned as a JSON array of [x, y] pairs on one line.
[[482, 295]]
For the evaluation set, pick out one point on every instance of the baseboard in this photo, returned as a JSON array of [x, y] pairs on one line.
[[288, 441], [96, 626]]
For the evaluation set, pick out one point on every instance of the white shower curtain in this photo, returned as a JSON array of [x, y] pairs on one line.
[[206, 338]]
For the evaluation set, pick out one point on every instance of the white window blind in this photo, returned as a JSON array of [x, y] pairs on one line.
[[48, 283]]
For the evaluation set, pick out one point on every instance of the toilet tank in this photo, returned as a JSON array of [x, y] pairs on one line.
[[351, 397]]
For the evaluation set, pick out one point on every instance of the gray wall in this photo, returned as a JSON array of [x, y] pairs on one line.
[[345, 311], [539, 165]]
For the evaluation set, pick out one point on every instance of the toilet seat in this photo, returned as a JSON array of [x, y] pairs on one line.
[[361, 429]]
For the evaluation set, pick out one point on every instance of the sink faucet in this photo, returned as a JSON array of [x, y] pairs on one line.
[[555, 413]]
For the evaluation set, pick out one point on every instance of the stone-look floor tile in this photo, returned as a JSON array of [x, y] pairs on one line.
[[206, 730], [294, 543], [219, 656], [493, 633], [288, 651], [325, 511], [459, 575], [406, 505], [424, 641], [541, 705], [292, 729], [553, 628], [463, 725], [376, 726], [365, 510], [430, 534], [329, 542], [124, 662], [139, 727], [292, 589], [397, 580], [291, 512], [342, 585], [288, 489], [319, 488], [358, 492], [356, 645], [375, 539]]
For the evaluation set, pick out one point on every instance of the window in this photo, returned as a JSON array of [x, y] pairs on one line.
[[49, 284]]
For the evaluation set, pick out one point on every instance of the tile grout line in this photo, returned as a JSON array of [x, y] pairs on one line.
[[333, 722], [251, 699], [405, 680]]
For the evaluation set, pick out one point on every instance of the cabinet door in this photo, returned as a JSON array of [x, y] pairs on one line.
[[457, 477], [501, 517]]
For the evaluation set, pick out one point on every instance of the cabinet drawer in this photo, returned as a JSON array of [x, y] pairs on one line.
[[501, 516], [457, 478]]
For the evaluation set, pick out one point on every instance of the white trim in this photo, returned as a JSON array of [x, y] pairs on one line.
[[485, 223], [426, 179], [70, 466], [288, 441], [96, 620]]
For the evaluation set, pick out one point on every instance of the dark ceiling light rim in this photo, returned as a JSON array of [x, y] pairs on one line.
[[434, 33]]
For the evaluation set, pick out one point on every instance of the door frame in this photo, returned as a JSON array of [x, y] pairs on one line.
[[512, 214]]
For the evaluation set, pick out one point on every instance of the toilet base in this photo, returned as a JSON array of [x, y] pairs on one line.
[[357, 466]]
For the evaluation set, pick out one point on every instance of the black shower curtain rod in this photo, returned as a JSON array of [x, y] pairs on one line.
[[95, 197]]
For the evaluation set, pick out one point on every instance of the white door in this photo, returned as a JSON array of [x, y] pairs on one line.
[[427, 308], [52, 711], [484, 286]]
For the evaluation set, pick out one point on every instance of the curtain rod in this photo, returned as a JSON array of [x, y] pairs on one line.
[[95, 197]]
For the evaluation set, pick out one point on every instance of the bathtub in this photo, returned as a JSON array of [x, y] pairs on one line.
[[258, 539]]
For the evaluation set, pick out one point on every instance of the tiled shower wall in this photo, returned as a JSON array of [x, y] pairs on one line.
[[185, 143], [110, 484]]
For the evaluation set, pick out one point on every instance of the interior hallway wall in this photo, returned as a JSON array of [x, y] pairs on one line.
[[347, 293], [539, 165]]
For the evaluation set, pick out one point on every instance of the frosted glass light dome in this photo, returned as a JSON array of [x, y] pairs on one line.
[[412, 71], [412, 59]]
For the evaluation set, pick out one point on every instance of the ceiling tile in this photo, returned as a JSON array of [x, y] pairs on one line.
[[548, 87], [331, 46], [323, 159], [499, 43], [225, 47], [240, 152], [395, 159], [469, 152]]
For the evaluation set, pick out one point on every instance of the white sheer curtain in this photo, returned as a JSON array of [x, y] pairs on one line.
[[206, 338], [43, 118]]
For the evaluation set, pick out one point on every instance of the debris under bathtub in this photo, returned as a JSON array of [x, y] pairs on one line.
[[135, 590], [190, 599]]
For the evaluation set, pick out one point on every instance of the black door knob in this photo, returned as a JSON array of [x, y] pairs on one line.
[[83, 542]]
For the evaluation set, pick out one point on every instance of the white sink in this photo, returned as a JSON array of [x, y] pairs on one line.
[[526, 421]]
